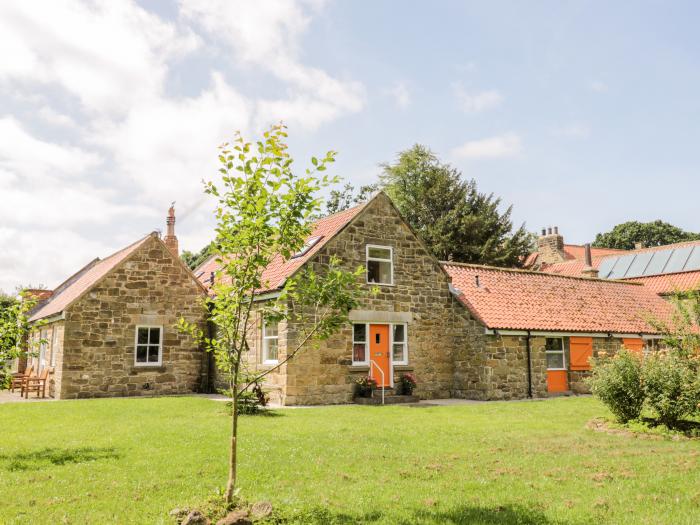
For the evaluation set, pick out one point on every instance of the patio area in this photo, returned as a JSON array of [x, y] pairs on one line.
[[14, 397]]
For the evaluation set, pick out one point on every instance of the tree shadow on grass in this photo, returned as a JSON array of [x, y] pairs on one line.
[[36, 459], [459, 515]]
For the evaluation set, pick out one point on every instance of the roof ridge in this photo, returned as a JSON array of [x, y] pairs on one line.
[[534, 272]]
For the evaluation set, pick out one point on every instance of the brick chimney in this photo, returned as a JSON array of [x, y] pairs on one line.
[[170, 238], [588, 270], [550, 246]]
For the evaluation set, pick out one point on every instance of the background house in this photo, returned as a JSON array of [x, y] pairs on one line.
[[111, 326]]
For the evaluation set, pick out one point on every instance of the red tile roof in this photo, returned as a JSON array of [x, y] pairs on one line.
[[80, 282], [572, 268], [526, 300], [670, 282], [279, 270]]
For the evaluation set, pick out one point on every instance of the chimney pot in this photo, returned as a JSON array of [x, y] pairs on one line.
[[587, 254], [170, 238], [556, 230], [549, 231], [544, 232]]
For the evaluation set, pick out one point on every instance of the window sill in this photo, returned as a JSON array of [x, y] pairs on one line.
[[403, 367], [148, 368], [269, 364], [390, 285], [358, 368]]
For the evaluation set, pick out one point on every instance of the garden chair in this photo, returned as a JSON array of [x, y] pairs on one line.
[[19, 377], [37, 384]]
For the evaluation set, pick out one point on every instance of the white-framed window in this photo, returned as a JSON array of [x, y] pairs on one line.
[[270, 340], [148, 349], [380, 265], [360, 351], [554, 351], [54, 347], [398, 344]]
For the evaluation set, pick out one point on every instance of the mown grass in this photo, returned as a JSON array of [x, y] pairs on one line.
[[133, 460]]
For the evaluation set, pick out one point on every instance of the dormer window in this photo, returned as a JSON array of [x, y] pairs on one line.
[[380, 265], [310, 243]]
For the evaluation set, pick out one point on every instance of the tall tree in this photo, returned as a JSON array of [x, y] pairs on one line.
[[264, 210], [455, 220], [656, 233], [346, 197]]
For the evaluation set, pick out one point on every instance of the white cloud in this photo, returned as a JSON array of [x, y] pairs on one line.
[[165, 148], [108, 54], [267, 35], [24, 154], [494, 147], [401, 95], [477, 101], [597, 86]]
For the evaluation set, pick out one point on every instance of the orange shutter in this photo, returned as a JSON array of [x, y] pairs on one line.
[[634, 345], [580, 351]]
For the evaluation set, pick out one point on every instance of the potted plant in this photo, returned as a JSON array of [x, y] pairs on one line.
[[364, 386], [406, 384]]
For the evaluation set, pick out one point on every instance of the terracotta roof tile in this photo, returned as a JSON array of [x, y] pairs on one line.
[[577, 251], [670, 282], [279, 270], [525, 300], [74, 287]]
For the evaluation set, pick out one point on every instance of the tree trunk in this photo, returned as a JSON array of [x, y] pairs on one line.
[[231, 485]]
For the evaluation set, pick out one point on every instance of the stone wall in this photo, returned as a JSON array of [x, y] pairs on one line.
[[151, 287], [438, 325]]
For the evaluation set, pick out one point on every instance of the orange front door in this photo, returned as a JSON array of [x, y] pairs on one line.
[[557, 381], [379, 354]]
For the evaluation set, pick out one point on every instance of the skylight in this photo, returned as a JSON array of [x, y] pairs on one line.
[[310, 243]]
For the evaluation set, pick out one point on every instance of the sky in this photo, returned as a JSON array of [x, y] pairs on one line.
[[579, 114]]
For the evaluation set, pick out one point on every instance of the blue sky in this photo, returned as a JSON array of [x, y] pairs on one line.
[[579, 114]]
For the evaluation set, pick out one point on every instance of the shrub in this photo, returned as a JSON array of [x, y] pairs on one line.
[[617, 382], [252, 401], [364, 386], [406, 384], [671, 386]]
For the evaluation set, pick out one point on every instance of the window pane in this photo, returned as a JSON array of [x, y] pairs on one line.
[[555, 360], [398, 352], [379, 253], [358, 353], [141, 352], [143, 336], [155, 336], [271, 349], [399, 333], [378, 272], [270, 329], [153, 354], [359, 333], [553, 344]]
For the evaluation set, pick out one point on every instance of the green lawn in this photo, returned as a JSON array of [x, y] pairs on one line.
[[133, 460]]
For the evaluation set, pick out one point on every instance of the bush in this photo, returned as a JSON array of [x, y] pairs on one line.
[[252, 401], [364, 386], [406, 384], [671, 386], [617, 382]]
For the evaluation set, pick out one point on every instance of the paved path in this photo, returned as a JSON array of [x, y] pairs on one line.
[[13, 397]]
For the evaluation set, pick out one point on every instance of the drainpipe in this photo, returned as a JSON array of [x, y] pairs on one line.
[[529, 366]]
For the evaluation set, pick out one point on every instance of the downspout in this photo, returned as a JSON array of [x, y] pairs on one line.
[[529, 366]]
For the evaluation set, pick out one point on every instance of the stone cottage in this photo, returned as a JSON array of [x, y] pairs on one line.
[[453, 326], [109, 329]]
